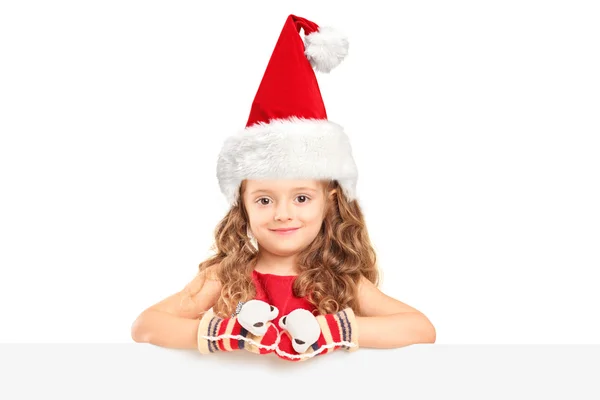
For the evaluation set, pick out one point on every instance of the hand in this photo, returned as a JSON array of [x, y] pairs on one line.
[[251, 329], [304, 336]]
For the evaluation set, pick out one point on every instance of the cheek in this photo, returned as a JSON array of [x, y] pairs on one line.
[[312, 216], [258, 218]]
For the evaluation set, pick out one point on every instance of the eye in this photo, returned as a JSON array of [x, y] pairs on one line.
[[299, 341], [261, 202], [258, 324], [303, 196]]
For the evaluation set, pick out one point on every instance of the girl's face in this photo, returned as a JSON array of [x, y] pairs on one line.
[[283, 204]]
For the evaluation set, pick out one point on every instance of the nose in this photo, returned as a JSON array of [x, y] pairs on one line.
[[283, 212]]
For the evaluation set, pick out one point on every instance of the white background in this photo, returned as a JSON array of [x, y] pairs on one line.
[[475, 128]]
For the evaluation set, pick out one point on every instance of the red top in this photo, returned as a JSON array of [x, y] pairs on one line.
[[277, 291]]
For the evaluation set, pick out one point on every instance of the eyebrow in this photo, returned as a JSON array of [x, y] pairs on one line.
[[294, 189]]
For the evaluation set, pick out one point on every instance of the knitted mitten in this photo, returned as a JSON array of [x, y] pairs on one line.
[[251, 329], [305, 336]]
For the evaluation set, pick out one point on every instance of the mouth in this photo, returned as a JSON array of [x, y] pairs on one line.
[[284, 231]]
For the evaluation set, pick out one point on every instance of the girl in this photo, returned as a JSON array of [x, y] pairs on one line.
[[294, 272]]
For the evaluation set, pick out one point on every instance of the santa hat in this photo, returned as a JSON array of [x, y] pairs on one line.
[[288, 135]]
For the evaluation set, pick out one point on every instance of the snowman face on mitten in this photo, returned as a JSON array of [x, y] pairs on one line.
[[255, 316], [303, 328]]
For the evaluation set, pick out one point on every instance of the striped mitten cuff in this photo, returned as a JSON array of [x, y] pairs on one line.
[[305, 336], [251, 329]]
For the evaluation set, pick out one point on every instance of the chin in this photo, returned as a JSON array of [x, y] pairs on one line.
[[283, 251]]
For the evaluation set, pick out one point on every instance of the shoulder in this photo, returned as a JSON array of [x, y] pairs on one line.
[[367, 289], [211, 273], [373, 301], [205, 280], [198, 295]]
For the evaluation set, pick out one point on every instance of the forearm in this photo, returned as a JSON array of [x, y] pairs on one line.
[[166, 330], [396, 330]]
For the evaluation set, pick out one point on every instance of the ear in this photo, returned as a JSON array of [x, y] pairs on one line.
[[331, 193]]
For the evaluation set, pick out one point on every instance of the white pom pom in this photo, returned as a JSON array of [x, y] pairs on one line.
[[325, 48]]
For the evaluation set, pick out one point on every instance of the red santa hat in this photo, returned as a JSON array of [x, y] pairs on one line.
[[288, 135]]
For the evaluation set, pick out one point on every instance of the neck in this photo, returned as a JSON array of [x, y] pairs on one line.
[[274, 264]]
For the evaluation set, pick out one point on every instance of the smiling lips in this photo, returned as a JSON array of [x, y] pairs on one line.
[[285, 231]]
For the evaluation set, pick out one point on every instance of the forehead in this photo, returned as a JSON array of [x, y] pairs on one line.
[[281, 185]]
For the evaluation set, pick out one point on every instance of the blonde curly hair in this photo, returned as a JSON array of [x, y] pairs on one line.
[[330, 268]]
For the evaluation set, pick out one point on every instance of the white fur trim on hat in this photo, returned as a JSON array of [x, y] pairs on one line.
[[292, 148]]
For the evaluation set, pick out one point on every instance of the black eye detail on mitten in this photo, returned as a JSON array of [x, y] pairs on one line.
[[258, 324], [298, 341], [284, 319], [272, 308]]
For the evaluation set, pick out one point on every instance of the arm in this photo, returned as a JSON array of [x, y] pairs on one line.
[[173, 322], [384, 323], [389, 323]]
